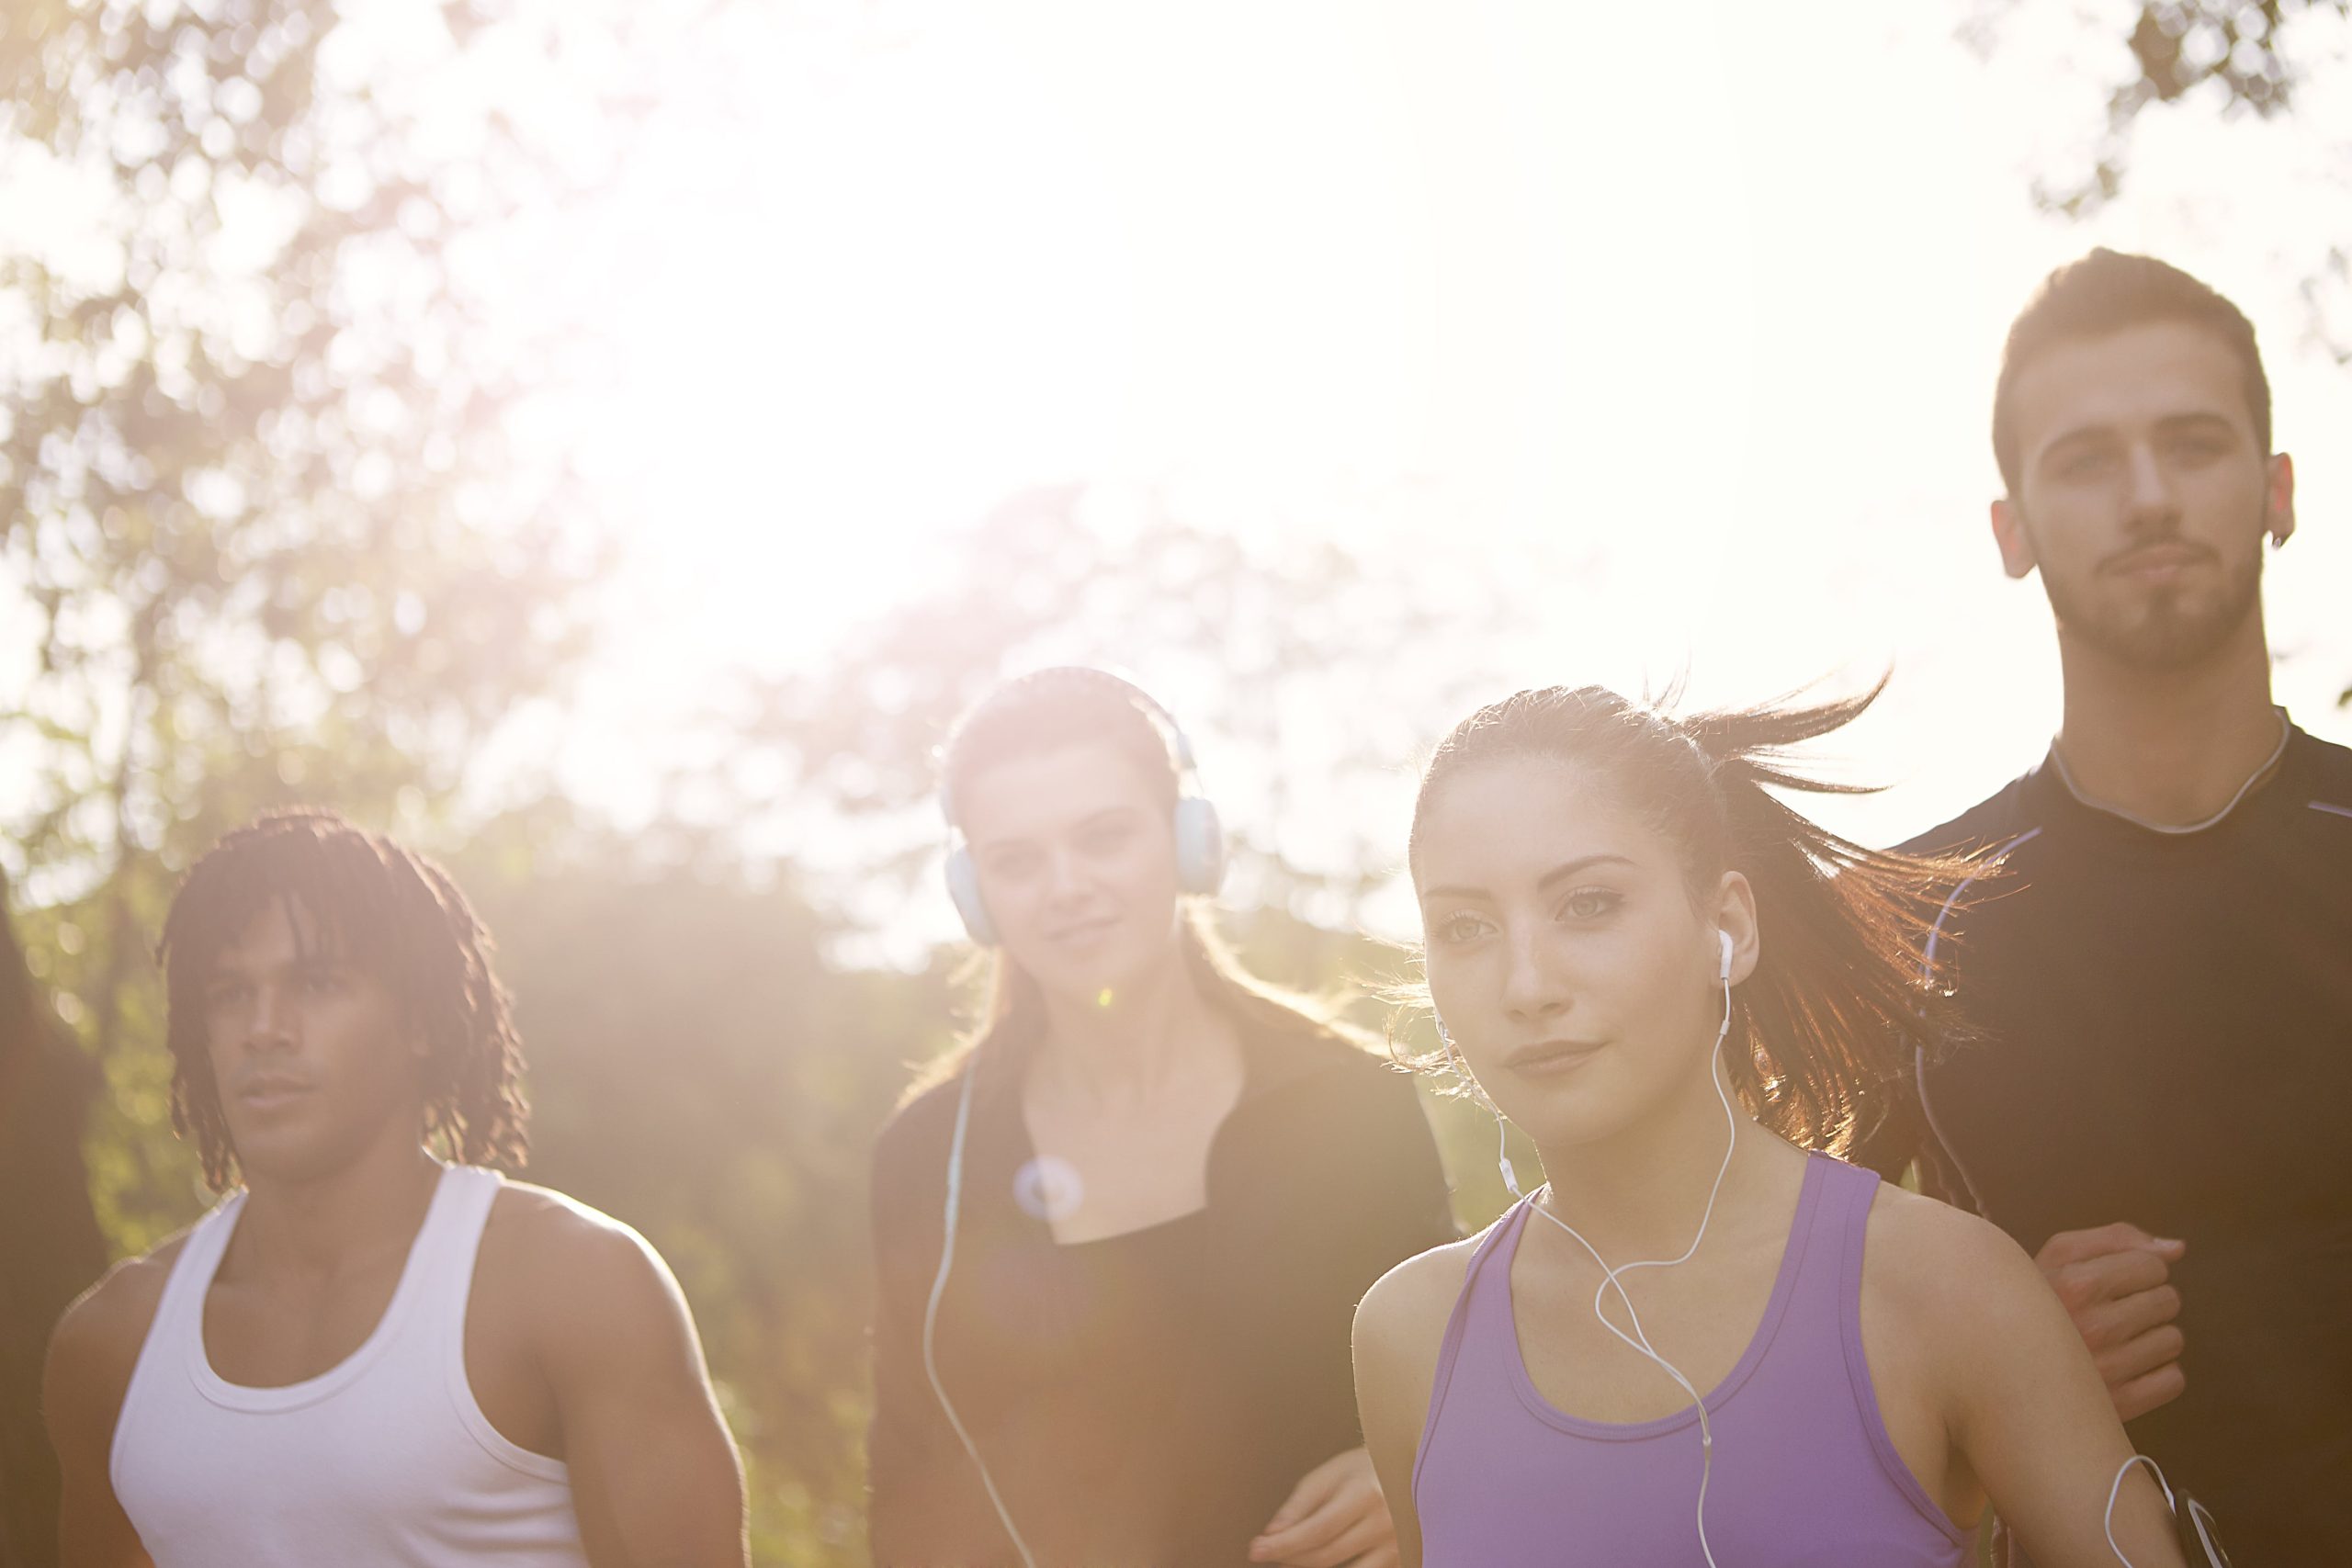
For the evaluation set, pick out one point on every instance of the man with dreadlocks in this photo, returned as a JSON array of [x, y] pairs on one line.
[[365, 1354]]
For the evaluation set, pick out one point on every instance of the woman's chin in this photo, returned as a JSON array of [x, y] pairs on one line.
[[1096, 979], [1563, 1115]]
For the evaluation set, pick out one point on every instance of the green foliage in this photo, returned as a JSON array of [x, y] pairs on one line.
[[700, 1069], [271, 540]]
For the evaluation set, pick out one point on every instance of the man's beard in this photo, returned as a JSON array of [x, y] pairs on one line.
[[2173, 632]]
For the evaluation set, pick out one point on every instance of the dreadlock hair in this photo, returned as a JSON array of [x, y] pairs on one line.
[[1844, 981], [1071, 706], [385, 908]]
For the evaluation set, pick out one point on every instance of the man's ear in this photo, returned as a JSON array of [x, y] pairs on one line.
[[2279, 498], [2016, 541]]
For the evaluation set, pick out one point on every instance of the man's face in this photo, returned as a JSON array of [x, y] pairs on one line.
[[313, 1061], [2144, 494]]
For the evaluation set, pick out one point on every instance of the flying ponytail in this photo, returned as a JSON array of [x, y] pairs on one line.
[[1843, 984]]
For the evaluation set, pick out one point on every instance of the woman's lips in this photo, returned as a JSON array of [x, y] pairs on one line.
[[1082, 933], [1550, 1058]]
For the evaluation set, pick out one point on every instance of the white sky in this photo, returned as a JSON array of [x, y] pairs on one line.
[[1677, 324], [1712, 301]]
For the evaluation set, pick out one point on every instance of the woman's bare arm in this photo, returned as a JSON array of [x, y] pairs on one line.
[[1400, 1326], [2025, 1407]]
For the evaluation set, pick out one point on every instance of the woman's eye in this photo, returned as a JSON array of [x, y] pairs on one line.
[[1459, 928], [322, 982], [1011, 867], [1589, 903]]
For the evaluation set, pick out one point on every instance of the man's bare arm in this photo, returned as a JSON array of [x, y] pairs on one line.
[[654, 1476], [91, 1355]]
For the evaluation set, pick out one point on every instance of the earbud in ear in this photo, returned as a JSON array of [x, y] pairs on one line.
[[1724, 940]]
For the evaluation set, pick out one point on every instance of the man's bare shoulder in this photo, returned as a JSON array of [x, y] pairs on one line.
[[576, 1272], [527, 1215], [96, 1343]]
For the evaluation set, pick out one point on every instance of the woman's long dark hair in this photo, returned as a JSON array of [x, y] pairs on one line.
[[1068, 706], [1844, 984], [387, 910]]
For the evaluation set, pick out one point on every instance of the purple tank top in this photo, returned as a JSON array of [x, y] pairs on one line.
[[1804, 1472]]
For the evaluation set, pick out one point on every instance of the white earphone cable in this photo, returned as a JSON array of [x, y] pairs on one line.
[[2116, 1490], [931, 1313], [1610, 1277]]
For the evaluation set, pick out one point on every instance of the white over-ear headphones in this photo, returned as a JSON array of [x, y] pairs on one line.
[[1199, 834]]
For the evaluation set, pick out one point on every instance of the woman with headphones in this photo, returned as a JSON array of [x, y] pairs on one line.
[[1679, 989], [1120, 1235]]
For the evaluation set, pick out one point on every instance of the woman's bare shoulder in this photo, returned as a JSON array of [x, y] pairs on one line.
[[1407, 1307], [1950, 1271]]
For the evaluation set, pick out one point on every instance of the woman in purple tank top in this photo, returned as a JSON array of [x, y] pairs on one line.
[[1679, 989]]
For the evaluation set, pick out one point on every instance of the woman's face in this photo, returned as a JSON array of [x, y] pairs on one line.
[[1077, 861], [1575, 972]]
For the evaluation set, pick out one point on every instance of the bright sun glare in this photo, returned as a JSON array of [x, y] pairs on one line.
[[1698, 357], [1681, 343]]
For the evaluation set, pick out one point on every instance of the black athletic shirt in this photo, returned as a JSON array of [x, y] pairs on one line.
[[2164, 1037], [1148, 1400]]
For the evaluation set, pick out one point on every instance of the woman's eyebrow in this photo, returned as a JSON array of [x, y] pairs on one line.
[[1094, 819], [1560, 872]]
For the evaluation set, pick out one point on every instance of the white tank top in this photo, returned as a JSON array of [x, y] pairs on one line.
[[383, 1459]]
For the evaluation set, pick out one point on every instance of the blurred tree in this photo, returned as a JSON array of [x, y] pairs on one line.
[[1308, 676], [2227, 54], [264, 522], [49, 1245], [701, 1069]]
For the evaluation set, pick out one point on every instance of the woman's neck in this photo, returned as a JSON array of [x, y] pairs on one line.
[[1641, 1192], [1130, 1040]]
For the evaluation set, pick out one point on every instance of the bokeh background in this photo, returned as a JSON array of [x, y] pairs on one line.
[[602, 442]]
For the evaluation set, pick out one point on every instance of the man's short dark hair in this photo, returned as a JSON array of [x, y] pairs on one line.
[[385, 908], [2106, 292]]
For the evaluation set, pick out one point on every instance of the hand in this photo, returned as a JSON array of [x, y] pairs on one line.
[[1335, 1518], [2113, 1282]]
